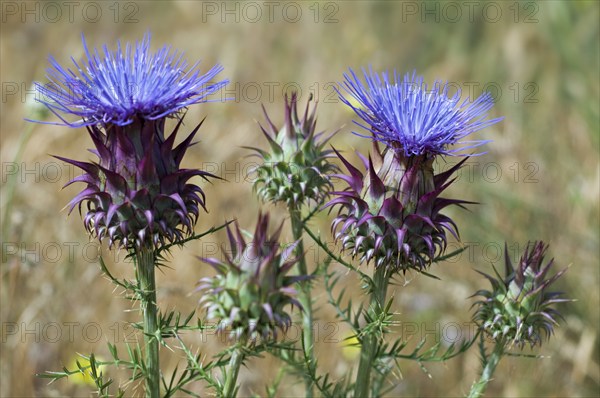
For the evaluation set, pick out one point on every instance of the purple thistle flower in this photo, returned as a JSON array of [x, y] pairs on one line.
[[519, 308], [136, 194], [410, 118], [120, 87]]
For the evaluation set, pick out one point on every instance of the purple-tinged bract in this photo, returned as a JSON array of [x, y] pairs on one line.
[[136, 193], [413, 119], [123, 86], [251, 291], [520, 309], [391, 213]]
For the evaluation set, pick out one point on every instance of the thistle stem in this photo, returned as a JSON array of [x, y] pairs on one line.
[[145, 273], [235, 362], [491, 362], [370, 341], [305, 298]]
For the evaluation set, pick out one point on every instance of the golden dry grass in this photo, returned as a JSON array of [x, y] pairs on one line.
[[544, 59]]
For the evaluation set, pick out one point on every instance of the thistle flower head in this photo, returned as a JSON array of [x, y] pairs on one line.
[[251, 291], [519, 307], [410, 118], [297, 167], [136, 193], [391, 213]]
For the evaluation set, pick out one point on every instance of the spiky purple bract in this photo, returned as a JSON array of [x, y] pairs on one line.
[[137, 194], [407, 116], [519, 308], [391, 213]]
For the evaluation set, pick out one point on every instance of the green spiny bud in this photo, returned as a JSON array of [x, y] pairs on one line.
[[519, 308], [250, 293], [296, 169]]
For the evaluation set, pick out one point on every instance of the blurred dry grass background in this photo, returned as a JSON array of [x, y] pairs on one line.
[[544, 58]]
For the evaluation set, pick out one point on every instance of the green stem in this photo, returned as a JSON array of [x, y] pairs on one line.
[[145, 271], [237, 357], [305, 298], [492, 361], [371, 341], [193, 237]]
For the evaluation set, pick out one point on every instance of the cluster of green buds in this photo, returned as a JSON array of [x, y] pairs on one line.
[[296, 169], [251, 290], [519, 308], [391, 214]]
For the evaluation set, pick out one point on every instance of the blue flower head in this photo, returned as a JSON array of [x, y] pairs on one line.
[[409, 118], [118, 87]]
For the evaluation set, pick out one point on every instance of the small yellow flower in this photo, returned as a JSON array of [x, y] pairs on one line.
[[350, 347], [83, 379]]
